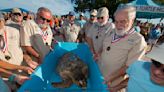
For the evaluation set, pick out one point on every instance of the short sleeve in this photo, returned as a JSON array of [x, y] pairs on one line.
[[137, 51], [25, 35]]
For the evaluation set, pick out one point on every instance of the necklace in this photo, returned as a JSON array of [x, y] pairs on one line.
[[114, 40]]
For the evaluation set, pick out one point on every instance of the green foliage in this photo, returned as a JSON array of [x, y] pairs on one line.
[[85, 5], [160, 2]]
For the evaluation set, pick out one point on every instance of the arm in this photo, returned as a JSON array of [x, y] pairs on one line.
[[9, 66], [26, 33], [5, 73], [137, 52], [29, 61], [13, 77], [120, 86], [90, 43], [31, 51], [115, 75]]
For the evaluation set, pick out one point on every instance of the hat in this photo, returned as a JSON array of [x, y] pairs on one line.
[[81, 14], [71, 13], [1, 16], [157, 53], [93, 12], [102, 12], [16, 10]]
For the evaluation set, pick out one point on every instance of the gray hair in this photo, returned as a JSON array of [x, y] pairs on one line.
[[131, 10], [43, 9]]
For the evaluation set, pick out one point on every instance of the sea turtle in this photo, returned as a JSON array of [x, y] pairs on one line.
[[72, 70]]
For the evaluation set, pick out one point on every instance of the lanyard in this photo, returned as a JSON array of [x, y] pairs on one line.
[[44, 35], [118, 39], [5, 43]]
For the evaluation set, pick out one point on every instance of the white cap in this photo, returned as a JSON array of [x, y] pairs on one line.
[[102, 12], [81, 14], [93, 12], [157, 53]]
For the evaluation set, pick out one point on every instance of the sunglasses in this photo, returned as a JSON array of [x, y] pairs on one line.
[[17, 14], [44, 19], [157, 65], [100, 17], [92, 16]]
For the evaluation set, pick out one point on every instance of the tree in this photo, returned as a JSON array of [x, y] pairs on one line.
[[85, 5], [160, 2]]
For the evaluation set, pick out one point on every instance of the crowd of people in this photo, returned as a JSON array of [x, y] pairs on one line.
[[119, 48]]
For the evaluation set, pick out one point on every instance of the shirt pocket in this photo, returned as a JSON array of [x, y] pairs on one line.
[[13, 39]]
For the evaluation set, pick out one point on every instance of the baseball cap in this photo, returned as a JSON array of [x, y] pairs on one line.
[[16, 10], [71, 13], [157, 53], [93, 12], [81, 14], [102, 12]]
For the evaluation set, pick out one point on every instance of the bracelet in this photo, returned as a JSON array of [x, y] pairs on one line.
[[12, 77]]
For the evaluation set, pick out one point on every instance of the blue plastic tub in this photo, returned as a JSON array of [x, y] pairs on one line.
[[45, 74]]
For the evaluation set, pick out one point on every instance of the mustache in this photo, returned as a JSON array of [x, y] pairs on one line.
[[43, 25]]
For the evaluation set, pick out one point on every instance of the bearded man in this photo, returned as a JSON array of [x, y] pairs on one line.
[[98, 30], [36, 36], [121, 46]]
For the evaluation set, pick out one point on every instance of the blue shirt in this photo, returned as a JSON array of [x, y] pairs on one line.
[[81, 23], [137, 29], [155, 34], [3, 86], [139, 78]]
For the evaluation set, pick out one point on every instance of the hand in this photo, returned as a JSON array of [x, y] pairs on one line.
[[21, 79], [96, 56], [39, 60], [32, 64], [108, 83], [28, 69], [113, 89]]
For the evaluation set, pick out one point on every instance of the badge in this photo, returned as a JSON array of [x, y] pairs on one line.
[[97, 37], [7, 57], [108, 48], [46, 44]]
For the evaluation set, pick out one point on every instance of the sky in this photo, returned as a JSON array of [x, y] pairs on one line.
[[58, 7]]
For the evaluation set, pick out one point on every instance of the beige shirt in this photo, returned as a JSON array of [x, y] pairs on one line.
[[32, 35], [13, 46], [97, 34], [70, 31], [121, 52], [86, 27], [13, 24]]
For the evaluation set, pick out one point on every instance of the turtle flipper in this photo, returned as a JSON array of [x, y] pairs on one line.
[[63, 84]]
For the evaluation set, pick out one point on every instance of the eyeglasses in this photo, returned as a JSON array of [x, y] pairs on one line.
[[92, 16], [17, 14], [45, 19], [157, 65], [100, 17]]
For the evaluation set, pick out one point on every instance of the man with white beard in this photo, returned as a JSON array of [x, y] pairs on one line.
[[36, 36], [98, 31], [121, 46]]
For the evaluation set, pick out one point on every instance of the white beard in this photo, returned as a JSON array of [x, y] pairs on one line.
[[43, 25], [101, 24], [122, 32]]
